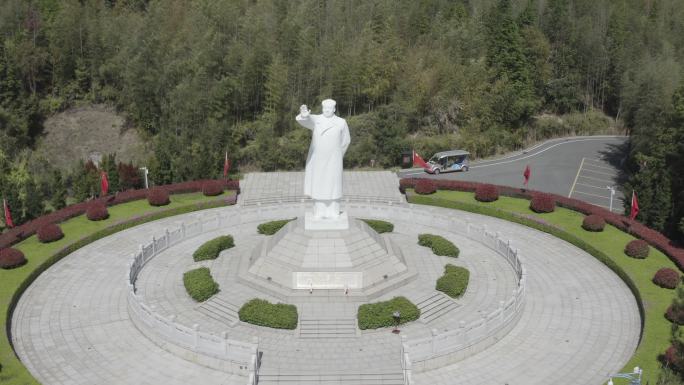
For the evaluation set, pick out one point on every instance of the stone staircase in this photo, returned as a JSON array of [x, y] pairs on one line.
[[327, 328], [220, 310], [435, 306], [339, 378]]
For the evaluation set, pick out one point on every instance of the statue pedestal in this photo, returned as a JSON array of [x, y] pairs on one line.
[[339, 223]]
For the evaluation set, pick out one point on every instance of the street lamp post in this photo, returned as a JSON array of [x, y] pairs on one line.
[[634, 378], [145, 171], [612, 194]]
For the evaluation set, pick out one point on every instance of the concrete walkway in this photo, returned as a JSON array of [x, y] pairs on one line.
[[579, 324]]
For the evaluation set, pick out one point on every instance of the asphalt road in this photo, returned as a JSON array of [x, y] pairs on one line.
[[578, 167]]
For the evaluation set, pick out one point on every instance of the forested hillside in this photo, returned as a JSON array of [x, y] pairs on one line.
[[201, 77]]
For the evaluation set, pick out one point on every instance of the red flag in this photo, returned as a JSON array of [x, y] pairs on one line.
[[8, 214], [417, 160], [104, 183], [634, 209], [526, 174], [226, 166]]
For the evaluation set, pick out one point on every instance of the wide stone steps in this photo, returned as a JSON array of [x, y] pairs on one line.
[[435, 306], [342, 378], [327, 328], [220, 310]]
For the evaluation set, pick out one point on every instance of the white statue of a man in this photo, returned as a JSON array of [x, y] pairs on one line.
[[329, 141]]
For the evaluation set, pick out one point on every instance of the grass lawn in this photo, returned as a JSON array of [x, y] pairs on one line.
[[12, 371], [611, 241]]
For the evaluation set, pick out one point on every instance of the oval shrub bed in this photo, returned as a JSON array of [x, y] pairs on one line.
[[158, 197], [211, 249], [666, 278], [212, 188], [637, 248], [379, 314], [263, 313], [272, 227], [486, 193], [439, 245], [425, 186], [50, 233], [593, 222], [199, 284], [379, 226], [11, 258], [97, 211], [542, 203], [454, 282]]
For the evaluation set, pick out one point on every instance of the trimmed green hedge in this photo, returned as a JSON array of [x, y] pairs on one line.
[[439, 245], [541, 226], [379, 314], [454, 281], [211, 249], [272, 227], [199, 284], [379, 226], [263, 313]]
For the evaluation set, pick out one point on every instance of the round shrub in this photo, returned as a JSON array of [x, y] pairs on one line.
[[158, 197], [671, 359], [675, 315], [97, 211], [11, 258], [50, 233], [486, 193], [212, 188], [593, 223], [425, 186], [667, 278], [542, 203], [637, 248]]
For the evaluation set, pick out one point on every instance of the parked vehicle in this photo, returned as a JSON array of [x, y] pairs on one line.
[[447, 161]]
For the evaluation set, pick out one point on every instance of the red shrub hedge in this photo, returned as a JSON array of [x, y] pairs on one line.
[[671, 359], [158, 197], [637, 248], [486, 193], [97, 211], [593, 222], [50, 233], [425, 186], [667, 278], [212, 188], [653, 237], [542, 203], [675, 315], [11, 258]]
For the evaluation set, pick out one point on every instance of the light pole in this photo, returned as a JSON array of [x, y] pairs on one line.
[[634, 378], [612, 194], [145, 171]]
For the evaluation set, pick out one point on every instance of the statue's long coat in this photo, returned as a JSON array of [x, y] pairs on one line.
[[329, 141]]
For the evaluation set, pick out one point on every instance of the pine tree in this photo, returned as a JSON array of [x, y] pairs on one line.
[[33, 201], [58, 191]]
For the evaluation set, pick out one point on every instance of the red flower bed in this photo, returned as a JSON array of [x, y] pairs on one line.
[[97, 211], [158, 197], [675, 315], [653, 237], [486, 193], [212, 188], [11, 258], [593, 222], [50, 233], [667, 278], [425, 186], [19, 233], [637, 248], [542, 203]]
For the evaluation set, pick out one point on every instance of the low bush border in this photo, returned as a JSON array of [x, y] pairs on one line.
[[454, 281], [199, 284], [379, 314], [260, 312], [379, 226], [213, 247], [272, 227], [439, 245]]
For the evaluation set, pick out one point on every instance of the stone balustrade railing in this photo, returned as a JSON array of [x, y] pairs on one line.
[[215, 351], [443, 348]]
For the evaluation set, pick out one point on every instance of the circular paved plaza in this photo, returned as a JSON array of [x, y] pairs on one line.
[[579, 322]]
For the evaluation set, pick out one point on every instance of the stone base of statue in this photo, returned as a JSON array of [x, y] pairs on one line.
[[313, 223]]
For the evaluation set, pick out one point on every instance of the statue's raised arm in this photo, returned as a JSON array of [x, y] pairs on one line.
[[304, 118]]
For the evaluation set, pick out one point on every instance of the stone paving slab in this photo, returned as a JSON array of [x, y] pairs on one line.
[[579, 323]]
